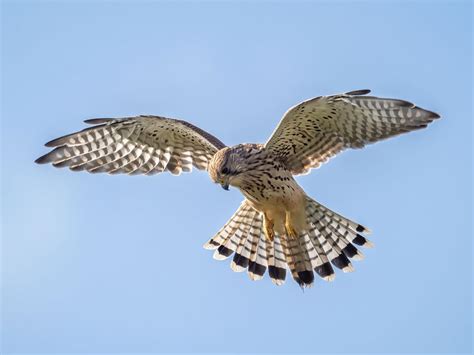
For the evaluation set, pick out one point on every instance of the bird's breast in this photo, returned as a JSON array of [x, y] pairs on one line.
[[267, 187]]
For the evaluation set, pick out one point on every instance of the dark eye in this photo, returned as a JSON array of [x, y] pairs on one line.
[[225, 171]]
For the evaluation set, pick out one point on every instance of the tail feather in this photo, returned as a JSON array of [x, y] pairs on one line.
[[313, 257], [297, 261], [329, 241], [337, 234], [324, 269], [239, 262], [256, 270], [229, 229], [290, 258], [261, 256], [346, 247], [306, 276], [344, 235], [242, 253], [341, 261], [334, 253], [276, 262], [318, 211], [330, 252]]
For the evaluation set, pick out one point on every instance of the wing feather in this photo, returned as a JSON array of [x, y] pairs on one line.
[[317, 129], [134, 145]]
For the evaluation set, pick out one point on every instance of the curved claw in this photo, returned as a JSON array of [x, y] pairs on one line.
[[268, 228], [290, 231]]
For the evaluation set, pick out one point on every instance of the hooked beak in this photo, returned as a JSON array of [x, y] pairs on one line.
[[225, 186]]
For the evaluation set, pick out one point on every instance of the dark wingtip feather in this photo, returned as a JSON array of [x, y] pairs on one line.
[[61, 164], [98, 120], [58, 141], [48, 157], [53, 143], [432, 114], [79, 167], [358, 92], [42, 159]]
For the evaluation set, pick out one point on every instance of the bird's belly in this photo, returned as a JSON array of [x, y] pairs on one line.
[[279, 201]]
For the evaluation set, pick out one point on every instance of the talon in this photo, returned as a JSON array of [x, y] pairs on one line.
[[269, 234], [290, 231], [268, 228]]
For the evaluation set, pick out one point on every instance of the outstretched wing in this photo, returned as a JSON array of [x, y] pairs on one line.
[[315, 130], [134, 145]]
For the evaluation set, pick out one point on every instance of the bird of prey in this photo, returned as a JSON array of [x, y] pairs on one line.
[[277, 226]]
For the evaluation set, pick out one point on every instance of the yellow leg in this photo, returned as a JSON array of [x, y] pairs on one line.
[[290, 231], [268, 228]]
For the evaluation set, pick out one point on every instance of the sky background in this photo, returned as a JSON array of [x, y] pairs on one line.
[[98, 263]]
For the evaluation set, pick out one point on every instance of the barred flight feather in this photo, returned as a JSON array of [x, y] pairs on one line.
[[134, 145], [308, 135], [327, 243], [317, 129]]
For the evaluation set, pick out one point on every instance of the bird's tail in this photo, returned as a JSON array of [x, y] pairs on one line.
[[329, 240]]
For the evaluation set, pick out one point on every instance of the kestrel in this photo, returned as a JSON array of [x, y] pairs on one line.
[[277, 226]]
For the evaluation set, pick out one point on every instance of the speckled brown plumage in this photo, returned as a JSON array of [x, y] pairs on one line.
[[277, 226]]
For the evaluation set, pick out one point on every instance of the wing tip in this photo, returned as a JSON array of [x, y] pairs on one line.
[[433, 115], [42, 159], [55, 142], [98, 120], [358, 92]]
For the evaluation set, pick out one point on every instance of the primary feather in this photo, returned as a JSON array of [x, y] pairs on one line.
[[134, 145], [317, 129]]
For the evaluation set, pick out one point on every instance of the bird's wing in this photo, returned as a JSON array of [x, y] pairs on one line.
[[315, 130], [134, 145]]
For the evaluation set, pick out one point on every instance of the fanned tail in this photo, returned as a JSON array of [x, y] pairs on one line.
[[243, 235], [332, 237], [328, 242]]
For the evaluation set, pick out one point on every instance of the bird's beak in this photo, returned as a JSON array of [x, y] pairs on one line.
[[225, 186]]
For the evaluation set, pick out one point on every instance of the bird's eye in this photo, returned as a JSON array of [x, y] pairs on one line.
[[225, 171]]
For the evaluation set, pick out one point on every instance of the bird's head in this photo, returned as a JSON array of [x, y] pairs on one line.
[[223, 168]]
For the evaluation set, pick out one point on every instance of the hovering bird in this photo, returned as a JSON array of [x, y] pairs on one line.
[[277, 226]]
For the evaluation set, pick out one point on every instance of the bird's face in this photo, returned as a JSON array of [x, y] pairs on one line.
[[222, 168]]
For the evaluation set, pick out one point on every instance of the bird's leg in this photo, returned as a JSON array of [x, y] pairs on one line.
[[290, 231], [268, 227]]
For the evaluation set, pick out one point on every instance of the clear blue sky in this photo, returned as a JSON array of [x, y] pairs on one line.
[[98, 263]]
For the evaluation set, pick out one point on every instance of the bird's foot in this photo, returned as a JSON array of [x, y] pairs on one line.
[[290, 231], [268, 228]]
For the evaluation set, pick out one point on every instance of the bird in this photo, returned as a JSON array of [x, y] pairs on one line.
[[278, 228]]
